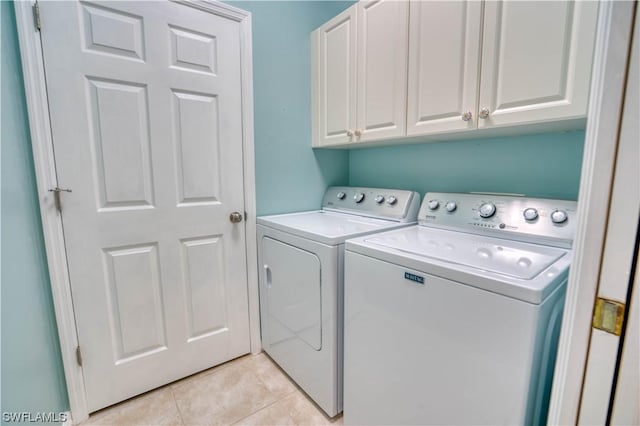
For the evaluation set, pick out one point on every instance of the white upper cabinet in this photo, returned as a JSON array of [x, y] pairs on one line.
[[382, 69], [359, 74], [333, 67], [536, 61], [444, 56], [389, 69]]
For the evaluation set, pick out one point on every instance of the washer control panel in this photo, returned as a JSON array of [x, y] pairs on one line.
[[518, 218], [394, 204]]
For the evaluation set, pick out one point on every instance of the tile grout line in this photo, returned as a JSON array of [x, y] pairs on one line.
[[175, 402], [249, 364], [259, 379], [246, 366], [252, 371], [266, 406]]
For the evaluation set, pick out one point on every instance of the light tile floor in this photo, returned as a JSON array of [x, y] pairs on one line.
[[251, 390]]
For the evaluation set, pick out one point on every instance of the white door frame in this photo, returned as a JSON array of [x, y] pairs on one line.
[[601, 145], [45, 168]]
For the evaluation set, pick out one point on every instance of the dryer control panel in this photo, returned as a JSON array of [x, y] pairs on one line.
[[536, 220], [392, 204]]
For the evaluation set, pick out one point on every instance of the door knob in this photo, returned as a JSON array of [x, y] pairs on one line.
[[235, 217], [467, 116], [484, 113], [358, 133]]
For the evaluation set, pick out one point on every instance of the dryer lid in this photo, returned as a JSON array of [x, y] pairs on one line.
[[327, 227], [506, 257]]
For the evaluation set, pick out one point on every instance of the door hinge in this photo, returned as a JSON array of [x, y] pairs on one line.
[[56, 197], [608, 316], [245, 216], [79, 356], [36, 16]]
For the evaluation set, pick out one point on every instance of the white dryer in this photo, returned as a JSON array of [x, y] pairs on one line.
[[456, 320], [301, 257]]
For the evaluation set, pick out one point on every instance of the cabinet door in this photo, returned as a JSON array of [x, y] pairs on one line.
[[536, 61], [382, 69], [444, 54], [333, 79]]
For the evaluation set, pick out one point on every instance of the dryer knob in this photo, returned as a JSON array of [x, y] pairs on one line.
[[359, 197], [341, 195], [392, 200], [379, 199], [487, 210], [559, 216], [530, 214], [451, 206], [433, 204]]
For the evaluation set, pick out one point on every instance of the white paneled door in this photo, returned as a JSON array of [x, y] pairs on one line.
[[145, 103]]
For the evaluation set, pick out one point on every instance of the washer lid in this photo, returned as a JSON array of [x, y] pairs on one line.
[[327, 227], [505, 257]]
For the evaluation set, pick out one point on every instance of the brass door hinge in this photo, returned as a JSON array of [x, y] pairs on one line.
[[36, 16], [608, 316], [56, 196], [79, 356]]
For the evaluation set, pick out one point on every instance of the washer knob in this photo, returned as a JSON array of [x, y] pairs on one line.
[[341, 195], [559, 216], [392, 200], [379, 199], [530, 214], [487, 210], [358, 197], [451, 206], [433, 204]]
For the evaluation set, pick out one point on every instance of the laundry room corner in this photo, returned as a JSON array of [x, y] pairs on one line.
[[289, 175]]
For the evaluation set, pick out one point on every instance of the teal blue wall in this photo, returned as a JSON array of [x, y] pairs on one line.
[[32, 374], [289, 175], [544, 165]]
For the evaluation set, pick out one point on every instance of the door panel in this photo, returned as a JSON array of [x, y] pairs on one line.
[[134, 300], [536, 60], [112, 31], [443, 75], [146, 119], [118, 114], [204, 286], [382, 68], [198, 147], [293, 293]]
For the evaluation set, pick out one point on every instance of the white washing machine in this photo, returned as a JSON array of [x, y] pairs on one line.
[[456, 320], [301, 294]]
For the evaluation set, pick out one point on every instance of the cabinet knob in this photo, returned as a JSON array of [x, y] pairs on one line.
[[484, 113], [358, 132], [349, 133], [467, 116]]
